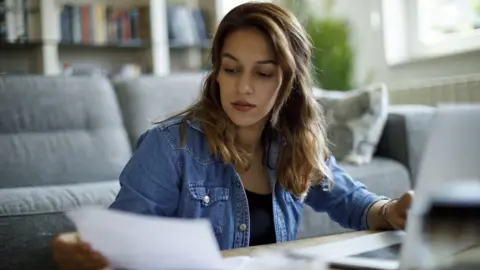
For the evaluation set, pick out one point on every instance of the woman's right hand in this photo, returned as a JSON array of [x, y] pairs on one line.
[[69, 252]]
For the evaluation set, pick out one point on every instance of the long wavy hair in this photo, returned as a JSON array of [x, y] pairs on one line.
[[295, 121]]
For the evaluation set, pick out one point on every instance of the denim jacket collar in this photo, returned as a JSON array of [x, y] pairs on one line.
[[274, 149]]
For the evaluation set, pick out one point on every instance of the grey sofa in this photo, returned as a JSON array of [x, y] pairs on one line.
[[64, 141]]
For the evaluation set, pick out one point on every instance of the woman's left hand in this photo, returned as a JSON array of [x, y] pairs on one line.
[[397, 211]]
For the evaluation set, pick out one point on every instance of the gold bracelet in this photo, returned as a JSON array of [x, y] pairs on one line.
[[383, 211]]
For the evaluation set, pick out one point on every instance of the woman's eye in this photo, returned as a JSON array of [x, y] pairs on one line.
[[264, 74], [230, 70]]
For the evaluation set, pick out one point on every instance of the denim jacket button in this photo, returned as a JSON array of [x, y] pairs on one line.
[[243, 227], [206, 199]]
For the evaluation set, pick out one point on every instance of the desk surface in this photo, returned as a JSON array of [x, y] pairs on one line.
[[296, 244], [471, 254]]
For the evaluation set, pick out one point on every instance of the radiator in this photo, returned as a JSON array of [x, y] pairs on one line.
[[455, 89]]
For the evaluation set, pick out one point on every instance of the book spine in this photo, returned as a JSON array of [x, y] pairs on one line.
[[66, 24], [10, 21], [144, 23], [119, 26], [111, 25], [86, 24], [92, 23], [134, 25], [3, 20], [25, 19], [33, 26], [100, 24], [77, 24], [126, 27]]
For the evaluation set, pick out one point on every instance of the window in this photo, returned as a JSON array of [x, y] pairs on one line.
[[416, 29], [443, 20]]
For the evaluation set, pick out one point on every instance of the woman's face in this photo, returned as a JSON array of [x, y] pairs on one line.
[[249, 78]]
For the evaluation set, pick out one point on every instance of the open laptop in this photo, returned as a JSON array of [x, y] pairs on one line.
[[452, 154]]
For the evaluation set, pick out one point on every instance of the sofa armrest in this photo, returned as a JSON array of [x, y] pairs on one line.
[[405, 134]]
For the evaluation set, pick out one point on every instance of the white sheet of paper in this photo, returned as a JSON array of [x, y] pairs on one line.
[[132, 241], [238, 262]]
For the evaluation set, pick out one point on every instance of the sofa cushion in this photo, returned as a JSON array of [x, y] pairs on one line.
[[382, 176], [405, 135], [149, 98], [58, 130], [31, 217], [52, 199], [355, 121]]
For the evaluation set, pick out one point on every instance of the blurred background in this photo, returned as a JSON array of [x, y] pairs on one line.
[[357, 42], [81, 80]]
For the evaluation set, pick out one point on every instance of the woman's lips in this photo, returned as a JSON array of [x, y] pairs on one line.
[[242, 106]]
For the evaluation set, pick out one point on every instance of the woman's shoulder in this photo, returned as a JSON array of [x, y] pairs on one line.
[[174, 123], [184, 136]]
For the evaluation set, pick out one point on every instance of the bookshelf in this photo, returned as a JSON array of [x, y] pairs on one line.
[[159, 41]]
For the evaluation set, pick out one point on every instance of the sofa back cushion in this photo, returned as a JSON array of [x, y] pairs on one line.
[[58, 130], [355, 120], [150, 98]]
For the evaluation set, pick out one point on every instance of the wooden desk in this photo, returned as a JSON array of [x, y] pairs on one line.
[[295, 244], [471, 254], [302, 243]]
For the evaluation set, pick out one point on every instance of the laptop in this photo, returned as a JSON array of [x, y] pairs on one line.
[[451, 156]]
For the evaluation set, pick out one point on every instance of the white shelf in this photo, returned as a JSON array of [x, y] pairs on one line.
[[156, 54], [116, 3]]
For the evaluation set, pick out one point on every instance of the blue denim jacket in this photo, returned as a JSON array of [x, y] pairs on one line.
[[166, 178]]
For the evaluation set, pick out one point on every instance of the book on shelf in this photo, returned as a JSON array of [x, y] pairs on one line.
[[19, 21], [100, 24], [187, 27]]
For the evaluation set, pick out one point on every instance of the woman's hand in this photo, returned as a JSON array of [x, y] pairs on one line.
[[70, 253], [397, 211]]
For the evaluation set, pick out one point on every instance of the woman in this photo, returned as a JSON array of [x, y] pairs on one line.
[[250, 153]]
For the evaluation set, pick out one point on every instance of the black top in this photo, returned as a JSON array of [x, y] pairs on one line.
[[262, 228]]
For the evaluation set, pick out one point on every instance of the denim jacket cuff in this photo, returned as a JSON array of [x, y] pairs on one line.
[[373, 199]]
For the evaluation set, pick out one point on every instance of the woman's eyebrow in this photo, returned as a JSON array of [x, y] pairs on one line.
[[230, 56]]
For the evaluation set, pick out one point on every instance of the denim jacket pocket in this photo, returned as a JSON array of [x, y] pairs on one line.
[[209, 202]]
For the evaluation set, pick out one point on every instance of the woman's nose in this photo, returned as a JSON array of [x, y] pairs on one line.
[[245, 84]]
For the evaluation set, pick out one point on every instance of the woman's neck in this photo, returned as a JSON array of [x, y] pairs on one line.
[[249, 138]]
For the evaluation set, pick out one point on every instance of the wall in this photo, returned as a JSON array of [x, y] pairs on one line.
[[368, 43]]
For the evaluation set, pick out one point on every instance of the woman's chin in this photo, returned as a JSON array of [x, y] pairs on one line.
[[245, 122]]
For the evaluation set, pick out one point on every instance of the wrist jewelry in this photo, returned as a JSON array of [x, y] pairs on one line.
[[383, 210]]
